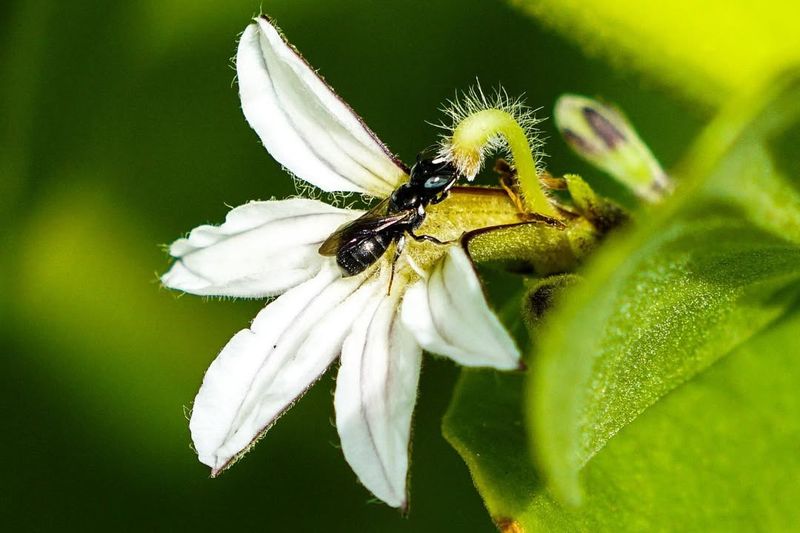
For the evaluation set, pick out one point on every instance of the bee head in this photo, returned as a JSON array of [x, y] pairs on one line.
[[432, 177]]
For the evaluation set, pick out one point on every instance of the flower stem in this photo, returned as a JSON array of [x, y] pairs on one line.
[[477, 130]]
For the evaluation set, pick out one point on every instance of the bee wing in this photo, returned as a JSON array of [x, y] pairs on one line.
[[373, 221]]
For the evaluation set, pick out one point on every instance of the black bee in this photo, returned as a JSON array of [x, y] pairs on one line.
[[359, 244]]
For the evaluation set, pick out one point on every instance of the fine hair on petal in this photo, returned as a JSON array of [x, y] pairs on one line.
[[341, 199]]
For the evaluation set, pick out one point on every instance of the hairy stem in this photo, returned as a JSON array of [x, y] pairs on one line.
[[477, 130]]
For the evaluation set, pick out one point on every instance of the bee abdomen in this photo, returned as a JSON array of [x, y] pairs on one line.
[[355, 259]]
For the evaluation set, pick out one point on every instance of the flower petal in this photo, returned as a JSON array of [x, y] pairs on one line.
[[376, 390], [449, 315], [262, 249], [304, 124], [264, 369]]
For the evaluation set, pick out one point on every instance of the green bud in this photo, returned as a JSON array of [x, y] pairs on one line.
[[603, 136], [542, 293]]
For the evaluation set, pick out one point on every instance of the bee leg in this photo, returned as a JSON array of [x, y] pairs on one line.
[[441, 198], [508, 185], [506, 175], [398, 249], [429, 238]]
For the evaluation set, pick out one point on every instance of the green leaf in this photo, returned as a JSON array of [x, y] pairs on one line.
[[708, 51], [694, 280], [719, 454], [485, 424]]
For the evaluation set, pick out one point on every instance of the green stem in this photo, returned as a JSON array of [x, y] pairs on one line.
[[478, 129]]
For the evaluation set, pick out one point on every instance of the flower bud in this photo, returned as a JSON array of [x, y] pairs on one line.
[[603, 136]]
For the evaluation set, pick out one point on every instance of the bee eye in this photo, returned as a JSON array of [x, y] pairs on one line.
[[437, 182]]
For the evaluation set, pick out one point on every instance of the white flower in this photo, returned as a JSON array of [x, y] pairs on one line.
[[270, 248]]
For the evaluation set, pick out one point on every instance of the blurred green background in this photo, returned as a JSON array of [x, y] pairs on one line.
[[121, 130]]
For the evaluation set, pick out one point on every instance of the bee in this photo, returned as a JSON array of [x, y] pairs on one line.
[[360, 243]]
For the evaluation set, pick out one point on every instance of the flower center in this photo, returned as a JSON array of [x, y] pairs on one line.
[[465, 210]]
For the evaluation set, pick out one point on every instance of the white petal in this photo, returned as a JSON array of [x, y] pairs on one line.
[[375, 394], [262, 249], [449, 315], [303, 123], [264, 369]]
